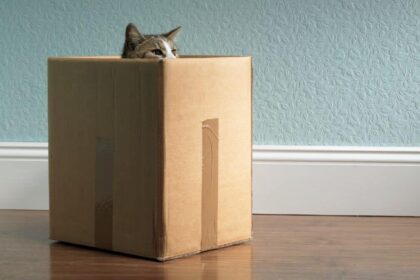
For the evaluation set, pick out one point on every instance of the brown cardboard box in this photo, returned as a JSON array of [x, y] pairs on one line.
[[150, 157]]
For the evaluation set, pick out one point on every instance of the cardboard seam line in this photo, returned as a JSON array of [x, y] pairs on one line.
[[159, 226], [210, 165]]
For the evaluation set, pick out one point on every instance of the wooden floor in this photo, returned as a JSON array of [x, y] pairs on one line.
[[284, 247]]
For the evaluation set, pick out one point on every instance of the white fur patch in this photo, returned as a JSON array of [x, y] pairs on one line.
[[169, 53]]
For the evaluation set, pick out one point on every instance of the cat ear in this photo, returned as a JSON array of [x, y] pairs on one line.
[[132, 34], [172, 34]]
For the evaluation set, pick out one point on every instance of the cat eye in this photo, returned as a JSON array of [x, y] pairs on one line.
[[157, 52]]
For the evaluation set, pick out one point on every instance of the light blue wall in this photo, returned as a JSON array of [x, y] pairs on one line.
[[325, 72]]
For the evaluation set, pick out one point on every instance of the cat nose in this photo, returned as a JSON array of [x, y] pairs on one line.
[[169, 55]]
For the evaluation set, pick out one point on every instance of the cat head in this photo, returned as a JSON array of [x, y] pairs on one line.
[[138, 45]]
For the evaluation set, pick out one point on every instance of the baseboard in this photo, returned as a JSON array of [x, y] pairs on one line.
[[23, 176], [286, 179], [336, 180]]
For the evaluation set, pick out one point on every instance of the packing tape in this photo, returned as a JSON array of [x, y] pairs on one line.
[[210, 175], [103, 192]]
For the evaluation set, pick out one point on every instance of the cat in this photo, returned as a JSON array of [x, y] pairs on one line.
[[138, 45]]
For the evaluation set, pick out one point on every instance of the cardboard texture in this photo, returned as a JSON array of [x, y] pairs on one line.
[[150, 157]]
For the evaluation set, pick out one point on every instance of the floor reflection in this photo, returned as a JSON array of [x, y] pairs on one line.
[[78, 262]]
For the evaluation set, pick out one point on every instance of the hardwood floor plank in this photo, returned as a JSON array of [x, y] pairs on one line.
[[284, 247]]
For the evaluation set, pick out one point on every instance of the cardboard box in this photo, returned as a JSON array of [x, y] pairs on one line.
[[150, 157]]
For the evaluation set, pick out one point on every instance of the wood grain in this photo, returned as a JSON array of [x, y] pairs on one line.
[[284, 247]]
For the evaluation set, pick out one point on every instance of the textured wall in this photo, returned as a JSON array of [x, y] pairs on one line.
[[326, 72]]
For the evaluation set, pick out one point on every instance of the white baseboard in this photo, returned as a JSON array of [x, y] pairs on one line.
[[286, 179], [23, 176], [336, 180]]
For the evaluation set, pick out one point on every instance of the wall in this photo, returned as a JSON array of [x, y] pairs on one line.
[[325, 72]]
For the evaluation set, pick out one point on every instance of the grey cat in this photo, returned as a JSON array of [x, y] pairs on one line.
[[138, 45]]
